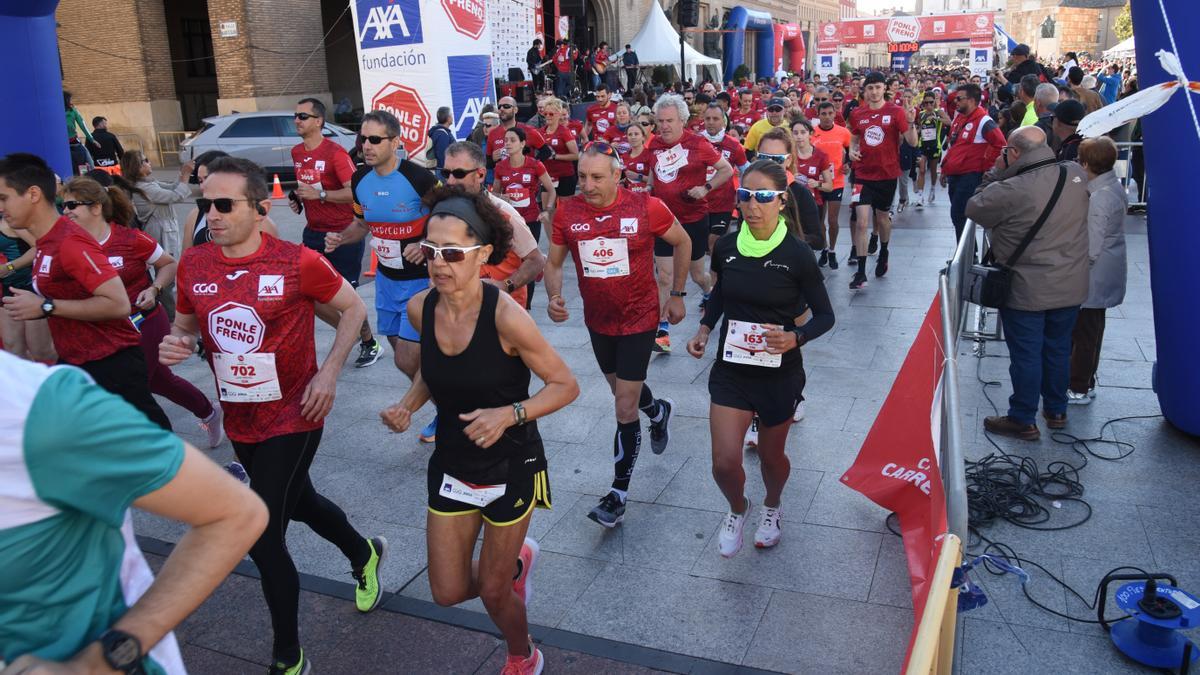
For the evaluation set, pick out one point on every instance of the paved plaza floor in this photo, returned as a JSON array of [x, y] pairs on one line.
[[832, 597]]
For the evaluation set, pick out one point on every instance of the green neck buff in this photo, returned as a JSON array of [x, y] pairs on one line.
[[750, 247]]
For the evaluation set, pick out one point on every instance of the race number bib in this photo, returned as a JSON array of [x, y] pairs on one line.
[[246, 378], [518, 196], [389, 252], [604, 258], [469, 493], [746, 343], [928, 134]]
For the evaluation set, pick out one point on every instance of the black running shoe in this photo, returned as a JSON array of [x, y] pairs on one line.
[[368, 353], [833, 263], [609, 512], [873, 244], [824, 259], [881, 264], [660, 432], [859, 281], [853, 259]]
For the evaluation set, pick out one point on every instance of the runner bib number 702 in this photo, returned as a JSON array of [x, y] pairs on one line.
[[246, 378]]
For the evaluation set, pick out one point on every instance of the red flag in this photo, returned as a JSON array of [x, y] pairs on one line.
[[897, 466]]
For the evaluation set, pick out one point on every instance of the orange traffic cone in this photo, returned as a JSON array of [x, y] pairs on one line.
[[374, 264], [277, 189]]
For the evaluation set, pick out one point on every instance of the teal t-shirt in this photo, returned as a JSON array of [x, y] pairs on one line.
[[73, 458]]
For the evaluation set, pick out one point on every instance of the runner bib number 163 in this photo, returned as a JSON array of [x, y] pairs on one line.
[[746, 343], [246, 378]]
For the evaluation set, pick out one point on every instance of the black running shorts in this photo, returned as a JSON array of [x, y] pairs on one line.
[[834, 195], [626, 356], [524, 490], [878, 194], [697, 232], [718, 223], [773, 393]]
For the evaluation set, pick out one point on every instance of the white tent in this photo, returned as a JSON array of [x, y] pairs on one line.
[[657, 44], [1121, 50]]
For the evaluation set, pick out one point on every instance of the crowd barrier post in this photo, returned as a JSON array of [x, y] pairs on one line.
[[933, 646]]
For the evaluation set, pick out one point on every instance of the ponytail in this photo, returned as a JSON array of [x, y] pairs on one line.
[[118, 208]]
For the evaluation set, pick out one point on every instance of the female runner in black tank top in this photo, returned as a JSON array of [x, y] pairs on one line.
[[488, 468]]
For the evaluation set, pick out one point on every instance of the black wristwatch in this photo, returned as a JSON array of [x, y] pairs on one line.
[[801, 338], [509, 286], [47, 307], [122, 651], [678, 294]]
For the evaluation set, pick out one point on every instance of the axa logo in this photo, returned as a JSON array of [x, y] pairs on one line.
[[204, 289], [388, 23], [471, 88], [270, 285]]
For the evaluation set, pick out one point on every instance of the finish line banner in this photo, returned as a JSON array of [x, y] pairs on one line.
[[897, 466], [414, 57], [834, 34]]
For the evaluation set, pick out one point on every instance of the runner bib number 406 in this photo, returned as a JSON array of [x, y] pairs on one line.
[[604, 258], [469, 493], [246, 378], [746, 343]]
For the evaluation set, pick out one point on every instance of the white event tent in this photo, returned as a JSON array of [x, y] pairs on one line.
[[657, 44], [1121, 50]]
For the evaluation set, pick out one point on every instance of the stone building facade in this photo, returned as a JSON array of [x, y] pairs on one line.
[[1053, 27]]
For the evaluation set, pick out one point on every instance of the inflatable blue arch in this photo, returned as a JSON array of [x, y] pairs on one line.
[[1172, 144], [744, 21], [32, 117]]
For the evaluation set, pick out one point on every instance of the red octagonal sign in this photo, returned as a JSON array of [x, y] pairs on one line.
[[406, 104], [468, 16]]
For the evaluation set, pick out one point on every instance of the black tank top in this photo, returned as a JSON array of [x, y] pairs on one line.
[[482, 376]]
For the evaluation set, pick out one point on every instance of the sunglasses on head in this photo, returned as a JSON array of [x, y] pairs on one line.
[[602, 148], [223, 204], [450, 254], [458, 173], [72, 204], [374, 140], [760, 196], [304, 117], [778, 159]]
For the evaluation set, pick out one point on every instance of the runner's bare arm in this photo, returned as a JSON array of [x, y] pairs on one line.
[[108, 302], [353, 234], [724, 173], [398, 417], [552, 277], [318, 396], [180, 344], [682, 259], [164, 273], [549, 195]]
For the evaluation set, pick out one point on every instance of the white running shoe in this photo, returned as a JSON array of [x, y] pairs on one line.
[[932, 194], [213, 426], [751, 439], [798, 415], [1078, 399], [768, 528], [919, 202], [730, 539]]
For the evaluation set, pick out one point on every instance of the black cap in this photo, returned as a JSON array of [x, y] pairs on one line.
[[1069, 111], [1020, 50], [781, 102], [875, 77]]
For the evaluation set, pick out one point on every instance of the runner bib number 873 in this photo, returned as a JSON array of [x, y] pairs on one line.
[[746, 343], [246, 378], [389, 252], [604, 258]]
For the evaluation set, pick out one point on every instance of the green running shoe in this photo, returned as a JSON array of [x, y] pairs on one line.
[[369, 591], [302, 667]]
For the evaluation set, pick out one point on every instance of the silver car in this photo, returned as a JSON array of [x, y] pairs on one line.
[[267, 138]]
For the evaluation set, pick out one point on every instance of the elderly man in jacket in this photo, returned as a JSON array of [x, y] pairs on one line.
[[1050, 280]]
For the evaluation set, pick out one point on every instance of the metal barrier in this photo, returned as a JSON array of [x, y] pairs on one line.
[[1125, 175], [132, 142], [168, 146], [933, 645]]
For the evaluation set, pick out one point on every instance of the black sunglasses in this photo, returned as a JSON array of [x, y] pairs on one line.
[[505, 106], [373, 140], [458, 173], [303, 117], [72, 204], [223, 204], [774, 108], [778, 159], [821, 99]]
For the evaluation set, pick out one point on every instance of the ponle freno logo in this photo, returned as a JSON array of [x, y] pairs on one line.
[[468, 17], [903, 29], [236, 328], [388, 23], [406, 104]]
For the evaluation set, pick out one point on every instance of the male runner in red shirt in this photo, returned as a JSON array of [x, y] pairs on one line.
[[75, 288], [721, 200], [876, 127], [252, 297], [323, 173], [507, 109], [611, 234], [601, 117]]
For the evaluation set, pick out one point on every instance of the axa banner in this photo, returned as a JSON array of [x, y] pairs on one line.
[[906, 29], [897, 466], [415, 56]]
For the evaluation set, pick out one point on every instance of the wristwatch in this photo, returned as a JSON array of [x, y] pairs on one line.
[[708, 186], [122, 651], [322, 195], [509, 285], [801, 338], [678, 294], [10, 267], [47, 307]]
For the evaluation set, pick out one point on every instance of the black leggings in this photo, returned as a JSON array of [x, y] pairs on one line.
[[278, 470]]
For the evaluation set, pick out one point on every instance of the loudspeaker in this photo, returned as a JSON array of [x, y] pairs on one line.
[[516, 75], [571, 8], [689, 13]]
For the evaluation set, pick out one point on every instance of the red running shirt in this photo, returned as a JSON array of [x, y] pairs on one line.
[[721, 199], [70, 265], [495, 139], [879, 140], [330, 166], [521, 185], [260, 304], [557, 140], [678, 168], [640, 165], [744, 120], [602, 119], [131, 253], [618, 303]]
